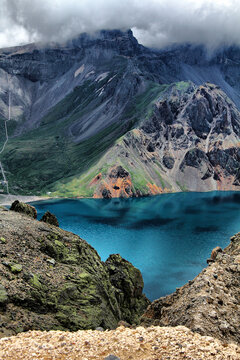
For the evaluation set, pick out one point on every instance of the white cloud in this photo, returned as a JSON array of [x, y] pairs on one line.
[[154, 22]]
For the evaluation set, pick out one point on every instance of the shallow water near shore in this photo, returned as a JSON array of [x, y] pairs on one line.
[[168, 237]]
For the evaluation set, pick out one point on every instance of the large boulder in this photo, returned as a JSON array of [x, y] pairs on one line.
[[61, 282], [128, 285], [50, 218], [24, 209]]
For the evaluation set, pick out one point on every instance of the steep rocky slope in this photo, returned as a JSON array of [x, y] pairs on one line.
[[52, 279], [170, 118], [209, 304], [188, 141]]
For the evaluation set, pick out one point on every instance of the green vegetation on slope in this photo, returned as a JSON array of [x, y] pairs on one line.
[[140, 108], [48, 159]]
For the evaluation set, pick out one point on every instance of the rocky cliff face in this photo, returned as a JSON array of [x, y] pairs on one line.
[[188, 142], [209, 304], [169, 118], [52, 279]]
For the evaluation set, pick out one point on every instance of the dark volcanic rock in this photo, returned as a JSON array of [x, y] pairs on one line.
[[63, 284], [210, 303], [194, 158], [207, 174], [150, 147], [228, 159], [24, 209], [106, 194], [50, 218], [168, 161], [118, 172]]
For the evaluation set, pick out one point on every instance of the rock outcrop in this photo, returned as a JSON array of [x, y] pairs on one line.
[[117, 183], [50, 218], [24, 209], [210, 303], [190, 142], [52, 279]]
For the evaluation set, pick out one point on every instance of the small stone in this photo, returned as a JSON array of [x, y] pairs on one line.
[[51, 261], [2, 240], [16, 268], [124, 323], [215, 252], [6, 263], [112, 357], [99, 328], [3, 295], [224, 326], [213, 314], [210, 261], [237, 260]]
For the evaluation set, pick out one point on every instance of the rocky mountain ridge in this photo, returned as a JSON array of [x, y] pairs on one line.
[[189, 142], [77, 104]]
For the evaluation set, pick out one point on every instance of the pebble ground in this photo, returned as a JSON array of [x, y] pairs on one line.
[[153, 343]]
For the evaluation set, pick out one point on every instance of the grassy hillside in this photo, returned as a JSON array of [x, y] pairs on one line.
[[48, 158]]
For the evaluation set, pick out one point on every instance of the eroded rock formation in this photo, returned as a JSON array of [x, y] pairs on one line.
[[210, 303], [52, 279]]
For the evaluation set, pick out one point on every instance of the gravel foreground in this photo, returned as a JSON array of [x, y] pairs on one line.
[[153, 343]]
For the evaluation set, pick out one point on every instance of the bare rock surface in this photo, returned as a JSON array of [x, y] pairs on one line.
[[50, 218], [24, 209], [51, 279], [209, 304]]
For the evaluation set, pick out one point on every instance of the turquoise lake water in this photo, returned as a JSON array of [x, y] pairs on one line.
[[168, 237]]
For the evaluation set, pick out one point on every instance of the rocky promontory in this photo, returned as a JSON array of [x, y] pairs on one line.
[[51, 279], [209, 304]]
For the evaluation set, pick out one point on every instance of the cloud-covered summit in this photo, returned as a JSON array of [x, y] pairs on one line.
[[155, 23]]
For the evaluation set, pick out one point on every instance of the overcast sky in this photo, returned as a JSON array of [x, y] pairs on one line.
[[155, 23]]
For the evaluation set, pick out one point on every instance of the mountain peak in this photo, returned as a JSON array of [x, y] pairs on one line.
[[121, 40]]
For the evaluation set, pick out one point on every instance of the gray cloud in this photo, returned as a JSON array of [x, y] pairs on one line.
[[154, 22]]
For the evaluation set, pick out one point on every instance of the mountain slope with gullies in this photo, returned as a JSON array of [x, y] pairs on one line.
[[188, 142], [104, 116], [52, 279]]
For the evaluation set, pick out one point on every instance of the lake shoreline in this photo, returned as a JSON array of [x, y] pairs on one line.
[[181, 230], [6, 200]]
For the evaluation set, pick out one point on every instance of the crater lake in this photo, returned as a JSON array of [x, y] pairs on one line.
[[168, 237]]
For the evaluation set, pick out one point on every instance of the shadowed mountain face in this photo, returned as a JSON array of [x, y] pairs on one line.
[[104, 116]]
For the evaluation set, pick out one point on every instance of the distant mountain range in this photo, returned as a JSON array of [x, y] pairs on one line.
[[104, 116]]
